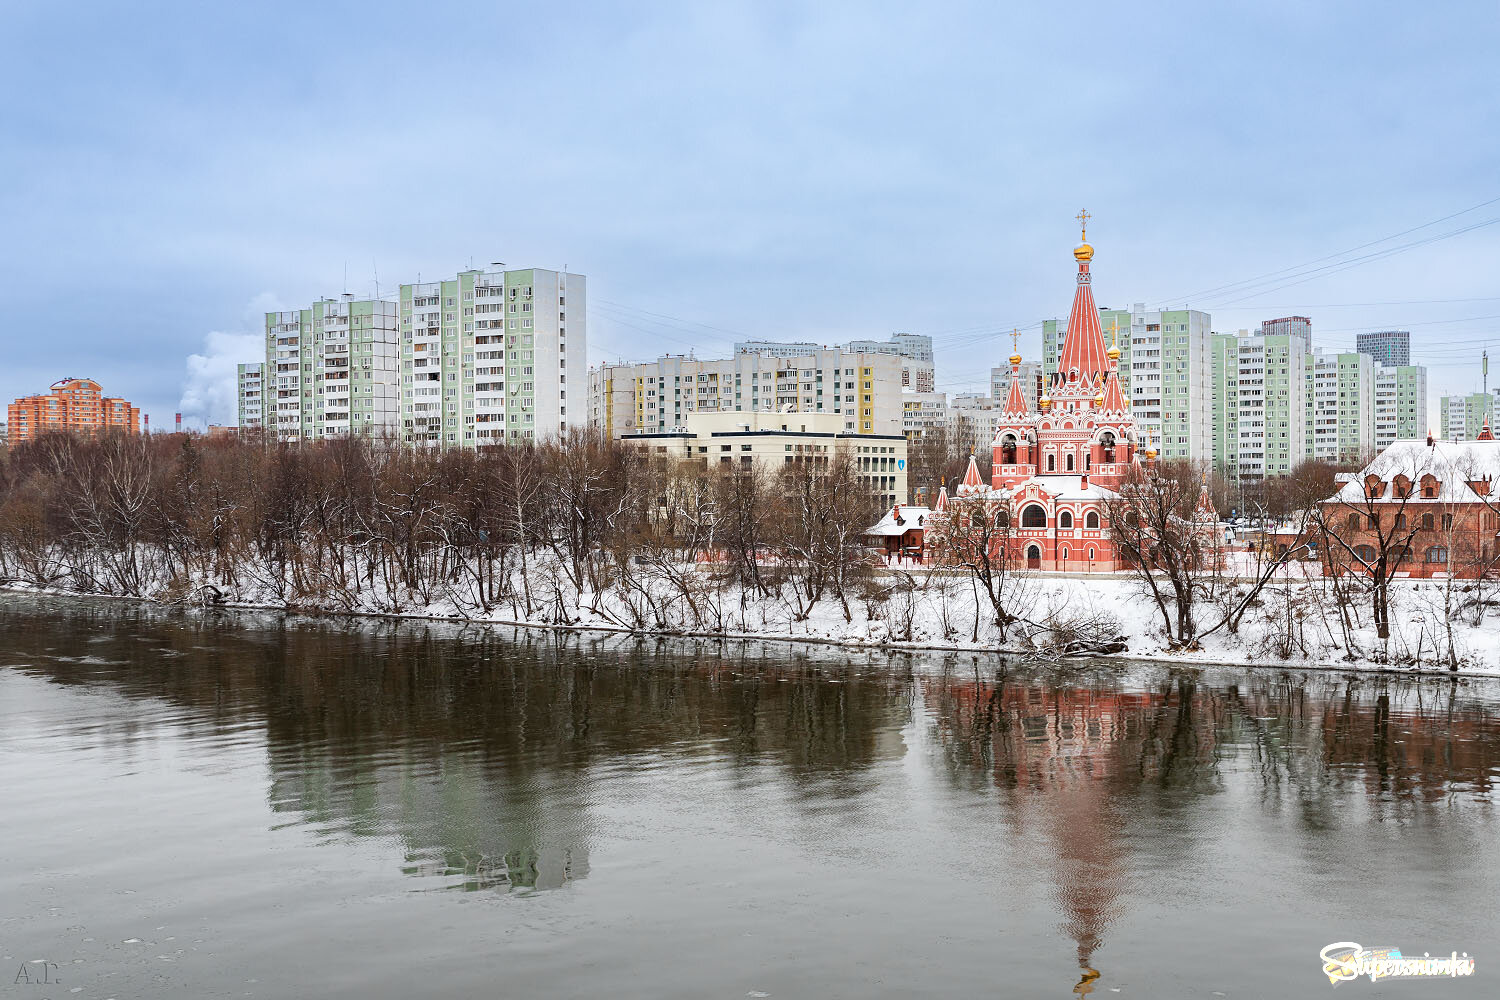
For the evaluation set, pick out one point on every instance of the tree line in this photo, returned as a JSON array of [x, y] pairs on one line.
[[359, 524]]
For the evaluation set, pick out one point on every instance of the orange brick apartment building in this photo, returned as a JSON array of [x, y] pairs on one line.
[[74, 404]]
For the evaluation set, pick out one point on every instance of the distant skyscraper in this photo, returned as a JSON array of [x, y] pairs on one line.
[[1391, 348]]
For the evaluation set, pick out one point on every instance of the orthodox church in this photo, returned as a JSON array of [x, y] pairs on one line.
[[1058, 469]]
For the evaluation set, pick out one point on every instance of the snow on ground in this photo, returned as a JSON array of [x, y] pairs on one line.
[[1297, 620]]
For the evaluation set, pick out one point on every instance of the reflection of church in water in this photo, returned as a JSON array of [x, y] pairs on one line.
[[1062, 756]]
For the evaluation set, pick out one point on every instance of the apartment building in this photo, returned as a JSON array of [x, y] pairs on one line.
[[1030, 373], [488, 357], [1260, 400], [770, 441], [72, 404], [777, 348], [923, 413], [1462, 417], [864, 390], [1391, 348], [249, 395], [1400, 404], [915, 350], [973, 423], [331, 370], [1166, 373], [1340, 406]]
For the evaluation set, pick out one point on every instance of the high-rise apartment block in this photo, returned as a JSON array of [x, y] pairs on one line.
[[974, 422], [72, 404], [1400, 404], [1340, 406], [1166, 373], [923, 413], [250, 395], [1463, 417], [488, 357], [915, 350], [1030, 374], [864, 389], [1260, 399], [777, 348], [332, 370], [1391, 348]]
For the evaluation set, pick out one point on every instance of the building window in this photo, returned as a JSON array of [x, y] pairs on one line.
[[1034, 516], [1065, 520], [1091, 521], [1437, 554]]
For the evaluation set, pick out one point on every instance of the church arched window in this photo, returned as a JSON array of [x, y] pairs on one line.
[[1070, 461], [1065, 520], [1034, 516], [1051, 463], [1091, 520]]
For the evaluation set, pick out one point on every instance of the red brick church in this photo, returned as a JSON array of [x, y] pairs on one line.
[[1055, 471]]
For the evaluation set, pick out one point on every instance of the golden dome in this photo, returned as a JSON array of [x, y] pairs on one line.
[[1150, 452], [1099, 399], [1083, 252], [1045, 402], [1113, 352], [1015, 359]]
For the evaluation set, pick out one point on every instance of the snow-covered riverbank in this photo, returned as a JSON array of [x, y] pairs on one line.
[[1292, 624]]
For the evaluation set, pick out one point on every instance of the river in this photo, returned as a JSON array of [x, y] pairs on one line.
[[217, 804]]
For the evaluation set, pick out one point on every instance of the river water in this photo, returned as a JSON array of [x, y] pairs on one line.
[[233, 804]]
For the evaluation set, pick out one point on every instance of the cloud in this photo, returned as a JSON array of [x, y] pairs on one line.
[[209, 390]]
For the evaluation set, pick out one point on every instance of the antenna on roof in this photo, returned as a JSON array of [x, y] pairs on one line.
[[346, 274]]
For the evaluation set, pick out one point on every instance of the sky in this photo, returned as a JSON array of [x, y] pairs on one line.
[[724, 171]]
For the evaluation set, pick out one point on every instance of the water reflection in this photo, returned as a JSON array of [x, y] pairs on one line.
[[1083, 762], [491, 761]]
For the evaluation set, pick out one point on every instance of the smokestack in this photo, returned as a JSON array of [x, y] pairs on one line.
[[179, 423], [147, 418]]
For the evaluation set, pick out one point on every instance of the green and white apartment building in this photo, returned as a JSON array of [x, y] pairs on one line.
[[1166, 372], [1260, 399], [1464, 416], [1278, 402], [332, 369], [484, 358], [250, 390], [1340, 406], [1400, 404], [488, 357]]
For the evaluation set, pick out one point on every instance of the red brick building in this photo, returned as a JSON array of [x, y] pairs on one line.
[[73, 404], [1430, 506]]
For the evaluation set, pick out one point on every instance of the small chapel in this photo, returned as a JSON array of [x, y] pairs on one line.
[[1056, 470]]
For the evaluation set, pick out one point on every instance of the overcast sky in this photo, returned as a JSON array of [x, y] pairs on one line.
[[717, 170]]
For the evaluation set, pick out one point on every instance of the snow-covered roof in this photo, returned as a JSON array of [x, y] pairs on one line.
[[1455, 464], [1062, 486], [914, 517]]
